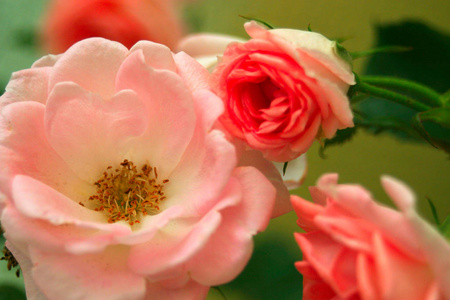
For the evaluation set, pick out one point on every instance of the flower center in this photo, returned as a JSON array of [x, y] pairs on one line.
[[127, 194]]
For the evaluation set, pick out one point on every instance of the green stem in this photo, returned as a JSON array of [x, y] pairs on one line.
[[427, 94], [366, 88]]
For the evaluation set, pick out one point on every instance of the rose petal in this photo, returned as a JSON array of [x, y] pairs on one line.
[[31, 289], [255, 159], [91, 276], [91, 133], [92, 64], [169, 109], [230, 246], [436, 248], [206, 44], [25, 150], [156, 55]]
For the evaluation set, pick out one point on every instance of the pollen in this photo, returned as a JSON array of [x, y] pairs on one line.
[[128, 193]]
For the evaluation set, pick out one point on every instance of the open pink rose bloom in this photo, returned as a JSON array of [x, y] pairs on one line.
[[354, 248], [117, 185], [282, 89]]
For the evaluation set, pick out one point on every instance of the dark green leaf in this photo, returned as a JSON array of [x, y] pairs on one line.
[[428, 63]]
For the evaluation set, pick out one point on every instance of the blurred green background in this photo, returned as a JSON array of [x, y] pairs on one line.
[[271, 274]]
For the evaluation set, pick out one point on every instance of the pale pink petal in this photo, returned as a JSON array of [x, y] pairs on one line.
[[27, 85], [436, 248], [91, 276], [172, 246], [91, 133], [339, 104], [183, 238], [208, 108], [169, 107], [229, 248], [191, 291], [201, 174], [46, 61], [92, 64], [254, 158], [88, 229], [32, 290], [156, 55], [193, 74], [205, 44], [25, 150]]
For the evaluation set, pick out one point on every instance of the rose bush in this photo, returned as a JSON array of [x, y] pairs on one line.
[[354, 248], [116, 184], [282, 89], [125, 21]]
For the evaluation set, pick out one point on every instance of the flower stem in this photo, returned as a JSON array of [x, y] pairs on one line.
[[427, 94], [369, 89]]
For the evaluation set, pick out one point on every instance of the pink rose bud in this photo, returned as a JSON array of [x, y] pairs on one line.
[[354, 248], [125, 21], [282, 89]]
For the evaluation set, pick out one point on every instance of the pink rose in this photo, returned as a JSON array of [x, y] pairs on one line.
[[354, 248], [281, 89], [125, 21], [116, 184]]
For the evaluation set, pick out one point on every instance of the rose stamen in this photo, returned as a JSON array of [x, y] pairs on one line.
[[126, 194]]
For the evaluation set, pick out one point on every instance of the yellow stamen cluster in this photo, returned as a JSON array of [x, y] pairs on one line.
[[126, 193]]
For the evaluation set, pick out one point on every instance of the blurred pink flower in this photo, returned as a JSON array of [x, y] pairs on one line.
[[117, 186], [282, 89], [354, 248], [126, 21]]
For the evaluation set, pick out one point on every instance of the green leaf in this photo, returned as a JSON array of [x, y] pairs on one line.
[[428, 64], [444, 228], [433, 211], [309, 27]]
